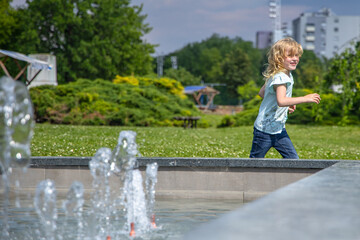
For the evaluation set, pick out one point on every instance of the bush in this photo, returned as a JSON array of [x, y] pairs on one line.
[[203, 123], [227, 121], [246, 118], [127, 101]]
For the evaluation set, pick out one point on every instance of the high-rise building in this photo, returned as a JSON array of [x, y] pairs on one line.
[[263, 39], [325, 33]]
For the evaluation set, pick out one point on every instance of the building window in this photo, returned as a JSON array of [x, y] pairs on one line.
[[310, 38], [336, 29], [310, 46], [310, 27]]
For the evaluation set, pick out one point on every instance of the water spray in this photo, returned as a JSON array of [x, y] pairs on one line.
[[151, 180], [16, 130]]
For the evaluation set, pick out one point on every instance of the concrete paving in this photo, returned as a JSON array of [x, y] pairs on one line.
[[325, 205]]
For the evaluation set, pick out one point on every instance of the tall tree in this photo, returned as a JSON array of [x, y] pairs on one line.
[[91, 39], [309, 73], [183, 76], [236, 70], [7, 22], [345, 70], [204, 58]]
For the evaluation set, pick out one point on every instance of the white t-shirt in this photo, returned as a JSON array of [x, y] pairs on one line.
[[271, 118]]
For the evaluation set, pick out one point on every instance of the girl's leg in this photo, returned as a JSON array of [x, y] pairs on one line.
[[284, 146], [260, 145]]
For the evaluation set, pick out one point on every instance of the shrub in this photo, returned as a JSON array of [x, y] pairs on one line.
[[203, 123], [227, 121], [126, 101]]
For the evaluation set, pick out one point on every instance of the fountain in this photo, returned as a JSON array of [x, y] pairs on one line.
[[16, 124], [129, 205]]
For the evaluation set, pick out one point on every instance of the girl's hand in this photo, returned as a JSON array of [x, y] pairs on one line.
[[292, 109], [313, 98]]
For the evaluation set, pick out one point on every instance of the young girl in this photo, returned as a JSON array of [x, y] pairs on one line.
[[269, 127]]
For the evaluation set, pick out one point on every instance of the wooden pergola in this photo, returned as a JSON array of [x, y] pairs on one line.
[[34, 63], [199, 91]]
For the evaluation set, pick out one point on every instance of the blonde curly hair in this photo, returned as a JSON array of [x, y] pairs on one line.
[[277, 54]]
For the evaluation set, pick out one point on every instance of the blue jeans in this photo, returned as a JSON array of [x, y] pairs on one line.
[[262, 142]]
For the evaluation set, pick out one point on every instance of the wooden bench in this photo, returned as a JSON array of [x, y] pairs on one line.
[[189, 122]]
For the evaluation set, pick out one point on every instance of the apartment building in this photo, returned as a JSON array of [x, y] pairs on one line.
[[325, 33]]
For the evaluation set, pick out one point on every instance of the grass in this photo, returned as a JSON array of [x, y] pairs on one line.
[[311, 142]]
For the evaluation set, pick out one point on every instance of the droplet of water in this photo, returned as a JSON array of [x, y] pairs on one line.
[[45, 206]]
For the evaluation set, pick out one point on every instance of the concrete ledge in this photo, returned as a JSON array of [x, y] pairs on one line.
[[210, 178], [193, 162], [325, 205]]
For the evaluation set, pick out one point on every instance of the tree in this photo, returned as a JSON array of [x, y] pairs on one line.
[[9, 29], [345, 70], [248, 91], [236, 69], [91, 39], [183, 76], [309, 73], [210, 67], [7, 22], [255, 56]]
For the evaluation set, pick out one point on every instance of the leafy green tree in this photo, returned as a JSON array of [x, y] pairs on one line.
[[9, 34], [7, 23], [309, 73], [203, 58], [209, 59], [183, 76], [248, 91], [236, 69], [345, 70], [91, 39], [256, 58], [210, 67]]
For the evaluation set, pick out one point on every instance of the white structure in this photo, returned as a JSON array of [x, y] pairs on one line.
[[275, 15], [45, 77], [326, 33]]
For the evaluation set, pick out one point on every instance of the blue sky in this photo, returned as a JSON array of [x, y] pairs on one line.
[[176, 23]]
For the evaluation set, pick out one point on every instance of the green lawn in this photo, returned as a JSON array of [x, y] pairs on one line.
[[311, 142]]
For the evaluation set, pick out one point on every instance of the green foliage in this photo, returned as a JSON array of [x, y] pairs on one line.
[[248, 116], [182, 76], [345, 71], [248, 90], [227, 121], [235, 62], [150, 102], [221, 60], [90, 40], [235, 70], [7, 23], [203, 123], [309, 73]]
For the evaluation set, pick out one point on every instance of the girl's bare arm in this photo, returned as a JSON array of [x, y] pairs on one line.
[[284, 101]]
